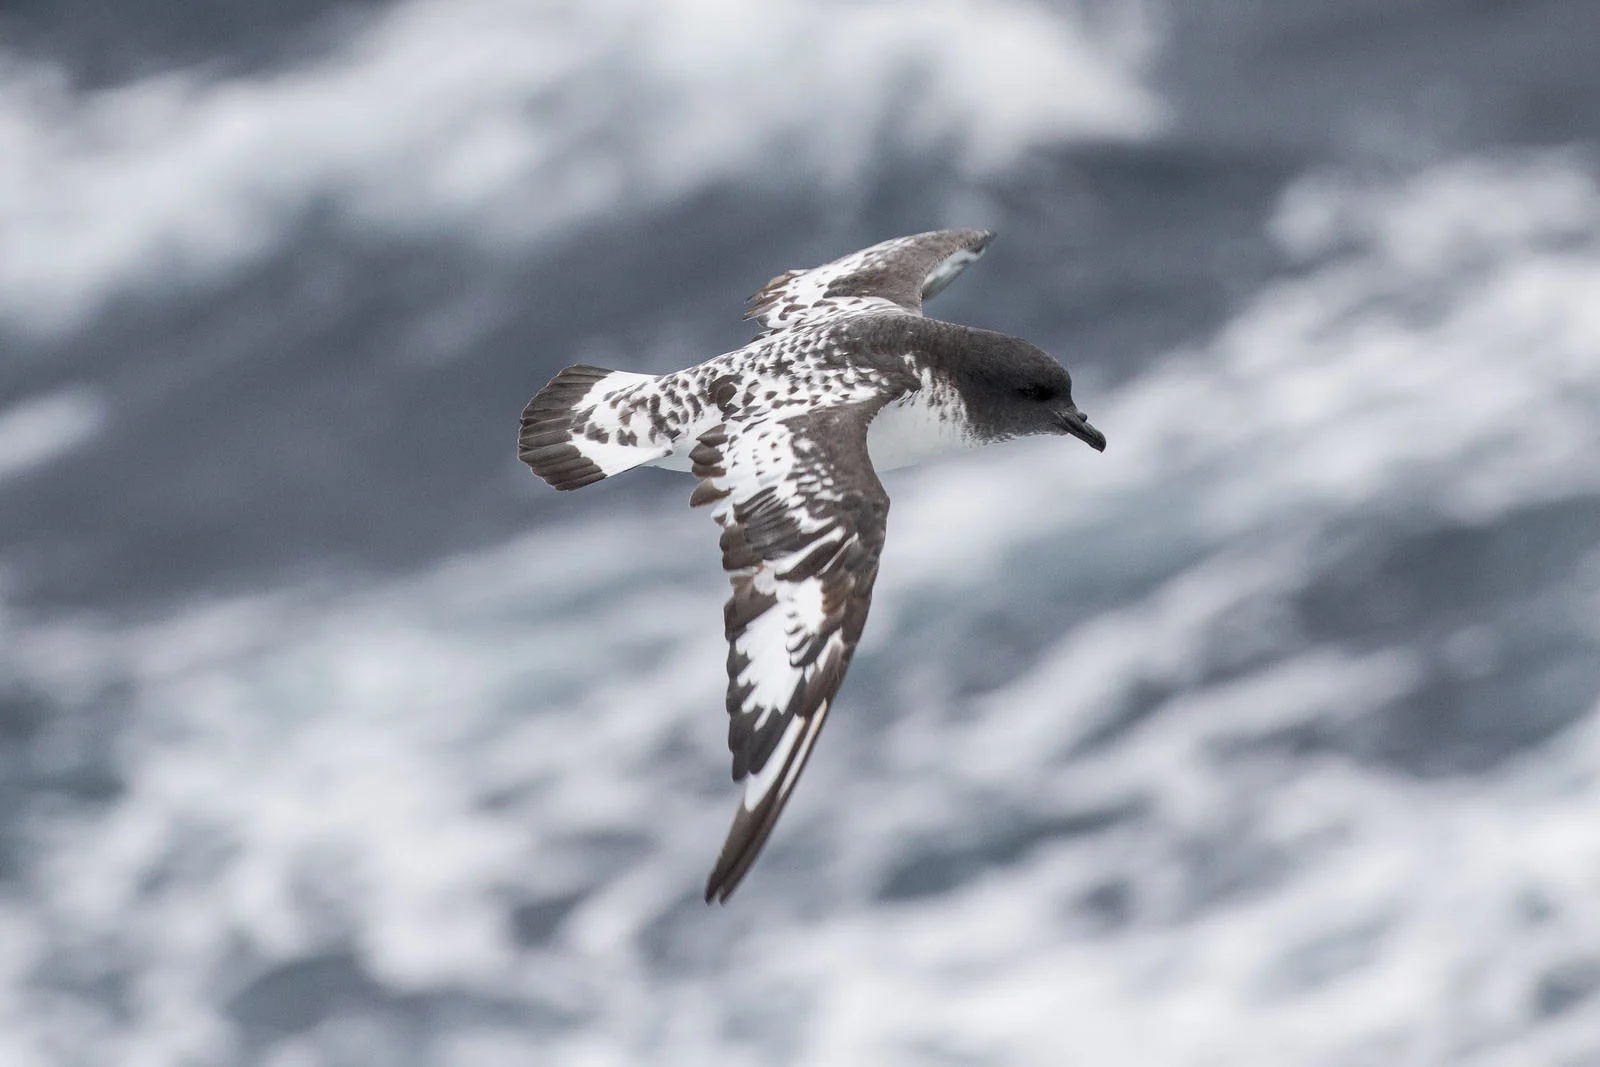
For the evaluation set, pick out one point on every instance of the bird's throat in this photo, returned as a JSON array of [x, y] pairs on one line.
[[920, 426]]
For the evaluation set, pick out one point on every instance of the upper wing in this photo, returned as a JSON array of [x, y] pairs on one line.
[[803, 518], [896, 275]]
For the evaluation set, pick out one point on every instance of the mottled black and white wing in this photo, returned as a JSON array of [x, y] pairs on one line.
[[895, 275], [803, 518]]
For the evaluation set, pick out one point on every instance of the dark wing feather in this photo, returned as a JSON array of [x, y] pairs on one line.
[[803, 519], [895, 275]]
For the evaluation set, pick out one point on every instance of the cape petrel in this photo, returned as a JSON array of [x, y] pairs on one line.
[[785, 436]]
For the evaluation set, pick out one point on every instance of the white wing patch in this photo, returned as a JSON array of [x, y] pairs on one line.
[[803, 519], [758, 784], [783, 647], [893, 276], [947, 270]]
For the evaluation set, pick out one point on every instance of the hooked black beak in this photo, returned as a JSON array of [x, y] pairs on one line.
[[1074, 422]]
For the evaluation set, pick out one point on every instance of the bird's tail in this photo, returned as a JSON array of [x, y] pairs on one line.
[[588, 424]]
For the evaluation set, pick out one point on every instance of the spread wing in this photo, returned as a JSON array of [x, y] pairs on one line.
[[896, 275], [803, 518]]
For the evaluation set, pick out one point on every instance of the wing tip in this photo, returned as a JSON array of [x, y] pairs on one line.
[[960, 247], [732, 863], [753, 826], [971, 238], [735, 861]]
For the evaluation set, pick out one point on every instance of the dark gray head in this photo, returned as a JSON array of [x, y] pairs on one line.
[[1012, 389]]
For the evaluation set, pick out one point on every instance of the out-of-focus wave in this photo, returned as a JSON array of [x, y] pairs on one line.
[[1285, 760], [506, 119], [42, 427]]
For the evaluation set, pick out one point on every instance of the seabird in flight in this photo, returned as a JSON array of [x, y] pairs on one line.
[[785, 436]]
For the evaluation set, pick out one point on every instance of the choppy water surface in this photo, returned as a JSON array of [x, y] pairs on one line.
[[328, 736]]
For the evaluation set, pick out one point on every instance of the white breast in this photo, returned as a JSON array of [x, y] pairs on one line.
[[920, 426]]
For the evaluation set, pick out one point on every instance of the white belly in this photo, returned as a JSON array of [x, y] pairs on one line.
[[911, 431]]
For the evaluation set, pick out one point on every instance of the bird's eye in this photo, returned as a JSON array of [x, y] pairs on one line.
[[1036, 391]]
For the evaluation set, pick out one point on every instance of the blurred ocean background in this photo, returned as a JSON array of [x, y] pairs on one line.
[[329, 737]]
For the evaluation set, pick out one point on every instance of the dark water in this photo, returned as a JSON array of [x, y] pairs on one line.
[[327, 736]]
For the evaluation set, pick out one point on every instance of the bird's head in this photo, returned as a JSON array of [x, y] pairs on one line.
[[1012, 389]]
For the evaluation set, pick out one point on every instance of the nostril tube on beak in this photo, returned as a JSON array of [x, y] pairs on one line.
[[1077, 424]]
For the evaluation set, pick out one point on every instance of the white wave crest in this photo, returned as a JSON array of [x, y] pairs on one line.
[[41, 428], [510, 117]]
